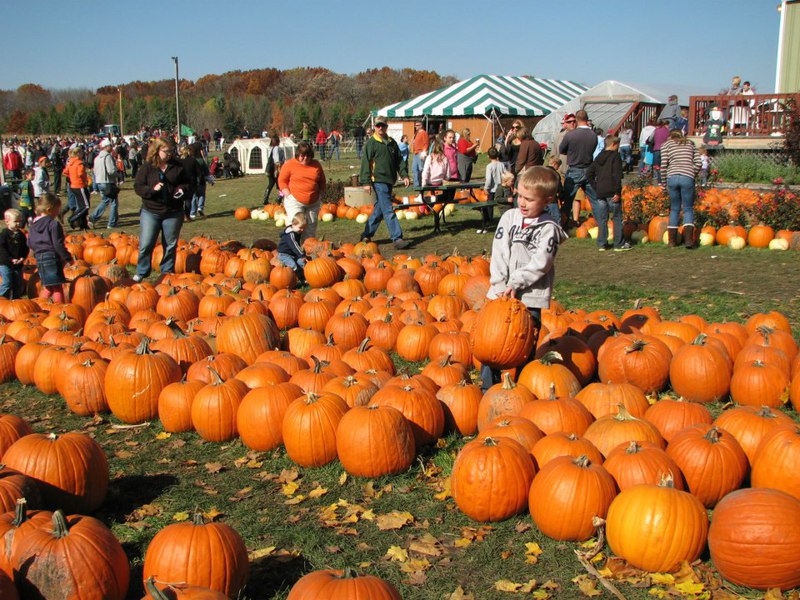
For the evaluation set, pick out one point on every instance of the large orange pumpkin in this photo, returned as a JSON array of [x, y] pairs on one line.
[[491, 478], [102, 570], [332, 584], [373, 441], [210, 555], [503, 334], [655, 527], [754, 539], [71, 469]]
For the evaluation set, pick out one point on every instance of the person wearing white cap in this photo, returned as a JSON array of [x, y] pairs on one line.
[[105, 176]]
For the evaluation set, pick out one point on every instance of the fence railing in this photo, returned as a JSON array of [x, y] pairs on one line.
[[756, 115]]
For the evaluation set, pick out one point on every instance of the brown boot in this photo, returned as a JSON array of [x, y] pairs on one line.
[[689, 237], [672, 237]]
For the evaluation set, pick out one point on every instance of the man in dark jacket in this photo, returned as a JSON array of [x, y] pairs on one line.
[[578, 145], [605, 176], [380, 164]]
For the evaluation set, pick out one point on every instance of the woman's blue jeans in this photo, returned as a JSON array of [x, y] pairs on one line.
[[152, 224], [681, 196]]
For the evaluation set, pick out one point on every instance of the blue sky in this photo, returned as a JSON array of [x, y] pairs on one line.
[[687, 46]]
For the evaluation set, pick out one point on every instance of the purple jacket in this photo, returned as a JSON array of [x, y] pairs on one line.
[[450, 153], [47, 235], [660, 135]]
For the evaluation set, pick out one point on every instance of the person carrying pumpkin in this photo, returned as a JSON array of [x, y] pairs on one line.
[[524, 251]]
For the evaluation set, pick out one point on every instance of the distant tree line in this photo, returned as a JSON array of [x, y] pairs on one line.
[[272, 99]]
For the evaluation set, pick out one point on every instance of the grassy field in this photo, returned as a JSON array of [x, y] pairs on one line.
[[294, 520]]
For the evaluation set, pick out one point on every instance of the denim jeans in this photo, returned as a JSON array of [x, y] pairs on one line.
[[657, 165], [383, 210], [681, 196], [626, 154], [576, 178], [490, 376], [11, 287], [416, 169], [602, 208], [101, 208], [169, 226], [198, 204], [296, 264]]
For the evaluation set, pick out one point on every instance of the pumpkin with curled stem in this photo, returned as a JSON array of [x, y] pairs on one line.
[[331, 584]]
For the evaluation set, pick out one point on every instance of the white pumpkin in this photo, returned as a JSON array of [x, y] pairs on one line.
[[449, 209], [778, 244], [255, 213], [280, 221], [327, 217], [401, 214], [707, 239], [411, 215], [263, 216], [362, 218], [593, 233], [737, 242]]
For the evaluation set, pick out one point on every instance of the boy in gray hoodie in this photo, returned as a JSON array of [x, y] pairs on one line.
[[524, 250]]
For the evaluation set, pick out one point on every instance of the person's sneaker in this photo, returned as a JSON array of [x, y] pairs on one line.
[[480, 231], [192, 217], [366, 240], [602, 248], [201, 213], [401, 243], [624, 247], [90, 224]]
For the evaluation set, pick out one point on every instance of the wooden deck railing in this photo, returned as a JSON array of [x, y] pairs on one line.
[[756, 115]]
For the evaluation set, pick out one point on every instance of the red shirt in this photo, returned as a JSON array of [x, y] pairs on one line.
[[463, 144], [321, 137]]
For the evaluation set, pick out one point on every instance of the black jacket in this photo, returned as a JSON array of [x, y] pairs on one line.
[[13, 244], [163, 201], [605, 174]]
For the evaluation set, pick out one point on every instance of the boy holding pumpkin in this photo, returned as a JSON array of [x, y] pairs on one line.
[[524, 250]]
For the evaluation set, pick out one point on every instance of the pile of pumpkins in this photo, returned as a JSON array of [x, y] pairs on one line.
[[233, 349]]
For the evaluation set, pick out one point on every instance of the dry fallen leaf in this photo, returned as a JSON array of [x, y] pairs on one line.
[[587, 585], [164, 435], [214, 467], [180, 516], [261, 552], [394, 520], [690, 588], [504, 585], [459, 594], [213, 514], [317, 492], [289, 488], [397, 554], [343, 478]]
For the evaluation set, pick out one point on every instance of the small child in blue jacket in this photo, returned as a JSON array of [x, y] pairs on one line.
[[290, 248]]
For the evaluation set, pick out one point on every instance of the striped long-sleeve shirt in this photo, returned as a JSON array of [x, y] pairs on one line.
[[679, 159]]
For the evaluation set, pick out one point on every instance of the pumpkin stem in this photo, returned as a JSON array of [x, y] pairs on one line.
[[60, 528], [197, 518], [446, 360], [765, 412], [20, 514], [362, 347], [552, 391], [623, 414], [582, 461], [713, 435], [633, 448], [508, 383], [215, 375], [550, 357], [700, 340], [152, 589], [667, 480], [318, 364], [175, 329], [388, 317], [636, 346], [144, 345], [490, 441], [87, 363]]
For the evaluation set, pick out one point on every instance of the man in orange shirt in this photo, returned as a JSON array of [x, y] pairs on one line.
[[419, 146]]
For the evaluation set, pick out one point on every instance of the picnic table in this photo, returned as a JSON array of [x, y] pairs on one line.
[[426, 193]]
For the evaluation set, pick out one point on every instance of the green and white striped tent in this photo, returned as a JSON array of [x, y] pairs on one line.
[[489, 94]]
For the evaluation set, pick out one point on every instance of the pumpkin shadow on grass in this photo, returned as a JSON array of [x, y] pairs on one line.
[[130, 492], [270, 575]]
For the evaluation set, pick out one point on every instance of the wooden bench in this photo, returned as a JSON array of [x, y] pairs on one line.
[[438, 215]]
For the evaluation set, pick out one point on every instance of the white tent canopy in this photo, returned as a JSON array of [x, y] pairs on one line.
[[252, 153], [607, 103]]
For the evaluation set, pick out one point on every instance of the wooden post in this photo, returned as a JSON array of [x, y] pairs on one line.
[[177, 101]]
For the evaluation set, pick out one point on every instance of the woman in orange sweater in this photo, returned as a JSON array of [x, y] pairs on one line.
[[78, 189], [302, 183]]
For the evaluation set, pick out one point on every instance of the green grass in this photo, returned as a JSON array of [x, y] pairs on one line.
[[155, 479]]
